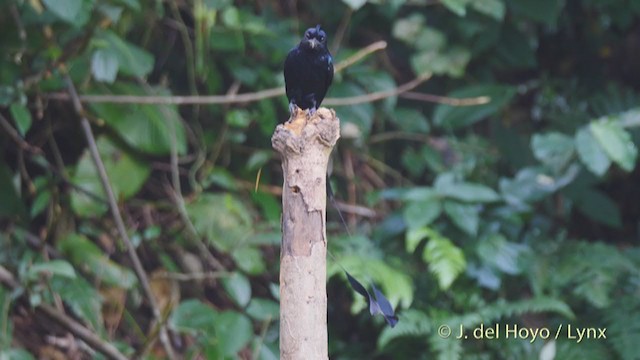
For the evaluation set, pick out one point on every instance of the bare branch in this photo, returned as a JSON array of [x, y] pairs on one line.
[[480, 100], [231, 98], [115, 212], [354, 100]]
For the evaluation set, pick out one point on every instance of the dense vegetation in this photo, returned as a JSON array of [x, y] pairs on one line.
[[503, 189]]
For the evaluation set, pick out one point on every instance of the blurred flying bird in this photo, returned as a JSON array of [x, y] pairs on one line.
[[308, 71]]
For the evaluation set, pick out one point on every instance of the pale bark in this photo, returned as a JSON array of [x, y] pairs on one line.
[[305, 146]]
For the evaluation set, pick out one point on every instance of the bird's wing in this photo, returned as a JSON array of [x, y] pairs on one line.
[[329, 70]]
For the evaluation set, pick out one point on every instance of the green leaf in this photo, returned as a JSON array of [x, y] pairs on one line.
[[452, 61], [126, 175], [54, 267], [355, 4], [410, 120], [408, 29], [494, 8], [465, 217], [553, 149], [22, 117], [15, 354], [501, 254], [87, 256], [10, 203], [616, 142], [458, 7], [132, 60], [66, 10], [239, 118], [238, 288], [82, 297], [599, 207], [421, 213], [194, 317], [591, 153], [263, 309], [147, 128], [453, 117], [249, 260], [104, 65], [222, 219], [467, 192], [446, 261], [234, 332]]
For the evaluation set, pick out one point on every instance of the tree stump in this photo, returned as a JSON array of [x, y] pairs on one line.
[[305, 145]]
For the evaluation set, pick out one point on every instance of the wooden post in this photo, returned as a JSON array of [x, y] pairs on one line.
[[305, 146]]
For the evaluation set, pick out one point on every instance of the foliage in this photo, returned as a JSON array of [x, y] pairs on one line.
[[502, 190]]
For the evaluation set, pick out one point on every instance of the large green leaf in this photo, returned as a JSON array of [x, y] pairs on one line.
[[553, 149], [87, 256], [467, 192], [454, 117], [22, 117], [494, 8], [194, 317], [82, 297], [147, 128], [132, 60], [234, 331], [10, 203], [222, 219], [501, 254], [591, 153], [66, 10], [238, 288], [464, 216], [421, 213], [599, 207], [126, 174], [104, 65], [616, 142]]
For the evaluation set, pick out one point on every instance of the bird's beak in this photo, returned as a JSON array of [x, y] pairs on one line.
[[314, 43]]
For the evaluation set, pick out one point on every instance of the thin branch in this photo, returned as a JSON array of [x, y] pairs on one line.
[[115, 212], [354, 100], [79, 330], [195, 276], [480, 100], [360, 54], [13, 133], [210, 99]]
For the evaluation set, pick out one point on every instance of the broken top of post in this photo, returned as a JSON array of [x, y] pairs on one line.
[[305, 145]]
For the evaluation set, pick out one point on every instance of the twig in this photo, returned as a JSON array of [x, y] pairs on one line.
[[115, 212], [480, 100], [94, 341], [354, 100], [195, 276], [360, 54], [211, 99], [6, 125]]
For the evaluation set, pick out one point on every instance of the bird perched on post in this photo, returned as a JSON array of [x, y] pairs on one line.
[[308, 71]]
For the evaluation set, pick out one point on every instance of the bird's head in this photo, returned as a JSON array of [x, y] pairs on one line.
[[315, 39]]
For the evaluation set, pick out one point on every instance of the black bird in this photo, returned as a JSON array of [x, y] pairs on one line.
[[308, 71]]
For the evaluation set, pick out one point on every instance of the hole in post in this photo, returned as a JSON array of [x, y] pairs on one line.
[[295, 189]]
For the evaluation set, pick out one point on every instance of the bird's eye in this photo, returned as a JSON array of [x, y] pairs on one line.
[[307, 35], [321, 37]]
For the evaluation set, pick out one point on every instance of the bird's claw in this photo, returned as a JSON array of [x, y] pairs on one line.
[[312, 111]]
